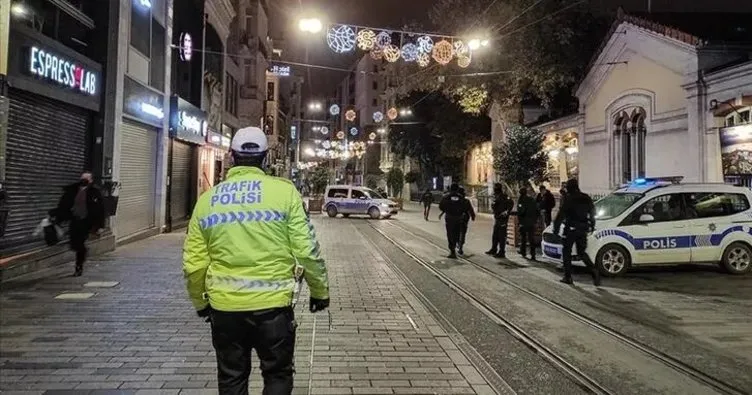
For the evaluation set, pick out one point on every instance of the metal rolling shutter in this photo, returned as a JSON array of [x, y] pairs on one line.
[[180, 181], [138, 157], [46, 150]]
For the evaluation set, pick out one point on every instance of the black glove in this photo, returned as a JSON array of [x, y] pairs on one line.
[[205, 313], [318, 304]]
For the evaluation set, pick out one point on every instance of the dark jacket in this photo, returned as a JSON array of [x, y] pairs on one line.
[[427, 198], [94, 206], [469, 211], [527, 211], [577, 211], [502, 206], [546, 201], [455, 206]]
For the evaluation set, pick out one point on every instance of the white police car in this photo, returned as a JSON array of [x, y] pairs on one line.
[[662, 221], [352, 200]]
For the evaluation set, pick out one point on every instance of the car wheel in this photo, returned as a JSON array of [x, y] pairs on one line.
[[737, 259], [613, 260], [346, 215], [331, 211], [374, 213]]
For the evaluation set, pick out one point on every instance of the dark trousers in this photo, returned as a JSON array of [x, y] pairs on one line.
[[271, 333], [527, 236], [499, 237], [453, 229], [78, 233], [426, 210], [546, 214], [464, 225], [578, 238]]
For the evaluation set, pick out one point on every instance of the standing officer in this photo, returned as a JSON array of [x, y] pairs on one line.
[[467, 215], [501, 207], [546, 202], [527, 213], [454, 206], [427, 200], [577, 211], [239, 260]]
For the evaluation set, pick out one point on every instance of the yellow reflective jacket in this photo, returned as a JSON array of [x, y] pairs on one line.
[[244, 239]]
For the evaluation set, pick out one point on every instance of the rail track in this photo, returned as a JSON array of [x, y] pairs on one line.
[[584, 380]]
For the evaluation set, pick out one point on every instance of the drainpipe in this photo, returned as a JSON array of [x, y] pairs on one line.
[[702, 114]]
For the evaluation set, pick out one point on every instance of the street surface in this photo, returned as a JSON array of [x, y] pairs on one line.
[[403, 320]]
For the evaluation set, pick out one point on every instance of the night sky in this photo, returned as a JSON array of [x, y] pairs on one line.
[[396, 13]]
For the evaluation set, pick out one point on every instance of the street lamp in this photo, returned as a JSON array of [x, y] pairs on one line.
[[406, 112], [310, 25], [476, 43], [19, 10], [315, 106]]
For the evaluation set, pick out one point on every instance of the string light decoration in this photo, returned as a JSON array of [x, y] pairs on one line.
[[350, 115], [460, 48], [372, 136], [391, 53], [353, 131], [463, 61], [383, 40], [377, 54], [392, 114], [341, 39], [326, 144], [324, 130], [340, 135], [378, 116], [425, 44], [410, 52], [423, 59], [443, 52], [334, 110], [366, 39]]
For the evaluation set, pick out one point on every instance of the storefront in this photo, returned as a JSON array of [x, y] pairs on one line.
[[561, 144], [55, 93], [736, 154], [213, 160], [188, 131], [143, 116]]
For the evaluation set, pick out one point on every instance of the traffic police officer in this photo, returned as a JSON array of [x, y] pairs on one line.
[[577, 212], [464, 225], [239, 259], [502, 207], [454, 206]]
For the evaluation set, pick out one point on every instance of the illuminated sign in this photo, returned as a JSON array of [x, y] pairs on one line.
[[152, 110], [279, 70], [145, 3], [52, 67], [186, 47], [293, 132]]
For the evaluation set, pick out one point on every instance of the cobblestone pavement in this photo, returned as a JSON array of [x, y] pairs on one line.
[[126, 327]]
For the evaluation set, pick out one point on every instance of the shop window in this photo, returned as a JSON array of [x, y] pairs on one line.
[[738, 117], [631, 134], [141, 28]]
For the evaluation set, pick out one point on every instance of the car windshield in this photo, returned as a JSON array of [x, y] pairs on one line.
[[613, 205], [372, 194]]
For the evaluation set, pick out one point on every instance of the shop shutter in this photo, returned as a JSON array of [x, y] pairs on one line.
[[138, 168], [46, 150], [180, 181]]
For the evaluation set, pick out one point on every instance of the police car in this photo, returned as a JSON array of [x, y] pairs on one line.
[[352, 200], [663, 221]]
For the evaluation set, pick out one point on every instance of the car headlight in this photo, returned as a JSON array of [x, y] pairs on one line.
[[384, 205]]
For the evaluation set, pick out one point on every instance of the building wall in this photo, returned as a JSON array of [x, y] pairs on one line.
[[254, 27]]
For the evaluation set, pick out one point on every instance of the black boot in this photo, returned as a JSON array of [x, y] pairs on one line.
[[567, 280], [500, 255], [596, 277], [79, 270], [452, 255], [491, 252], [460, 251]]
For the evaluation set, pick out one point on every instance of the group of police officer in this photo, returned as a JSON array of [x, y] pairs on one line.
[[576, 214]]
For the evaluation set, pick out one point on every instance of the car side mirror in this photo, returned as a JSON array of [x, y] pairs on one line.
[[644, 218], [364, 198]]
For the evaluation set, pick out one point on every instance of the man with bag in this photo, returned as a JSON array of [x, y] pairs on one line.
[[82, 207], [245, 238]]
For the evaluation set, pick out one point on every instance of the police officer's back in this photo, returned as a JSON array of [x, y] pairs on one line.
[[502, 206], [577, 213], [454, 206], [244, 239]]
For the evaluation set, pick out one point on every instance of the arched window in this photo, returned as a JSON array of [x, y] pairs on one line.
[[630, 133]]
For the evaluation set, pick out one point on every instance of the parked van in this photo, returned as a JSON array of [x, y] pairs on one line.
[[352, 200]]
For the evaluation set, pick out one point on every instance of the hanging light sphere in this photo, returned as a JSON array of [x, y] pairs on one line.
[[463, 61], [334, 110], [372, 136], [340, 135], [350, 115], [366, 39], [391, 53], [425, 44], [392, 114], [423, 59], [443, 52], [460, 48], [353, 131], [377, 54], [324, 130], [326, 144], [341, 38], [378, 116], [383, 39], [410, 52]]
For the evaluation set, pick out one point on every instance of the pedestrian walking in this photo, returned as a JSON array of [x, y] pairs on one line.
[[546, 203], [527, 213], [427, 200], [453, 206], [82, 207], [502, 206], [244, 239], [467, 215], [577, 212]]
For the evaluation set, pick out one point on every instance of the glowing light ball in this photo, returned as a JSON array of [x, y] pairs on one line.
[[340, 135], [423, 59], [341, 38], [350, 115], [353, 131], [443, 52], [425, 44], [324, 130], [383, 39], [392, 113], [463, 61], [391, 53], [334, 110], [366, 39], [410, 52], [372, 136], [378, 116], [377, 54]]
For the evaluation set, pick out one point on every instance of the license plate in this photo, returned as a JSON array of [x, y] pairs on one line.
[[552, 251]]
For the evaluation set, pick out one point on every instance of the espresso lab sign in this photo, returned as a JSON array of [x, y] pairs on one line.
[[49, 66]]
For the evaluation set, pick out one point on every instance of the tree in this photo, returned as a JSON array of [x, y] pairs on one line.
[[520, 159], [395, 180], [372, 180], [320, 179], [414, 177]]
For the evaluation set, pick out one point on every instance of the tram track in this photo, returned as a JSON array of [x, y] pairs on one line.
[[578, 375]]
